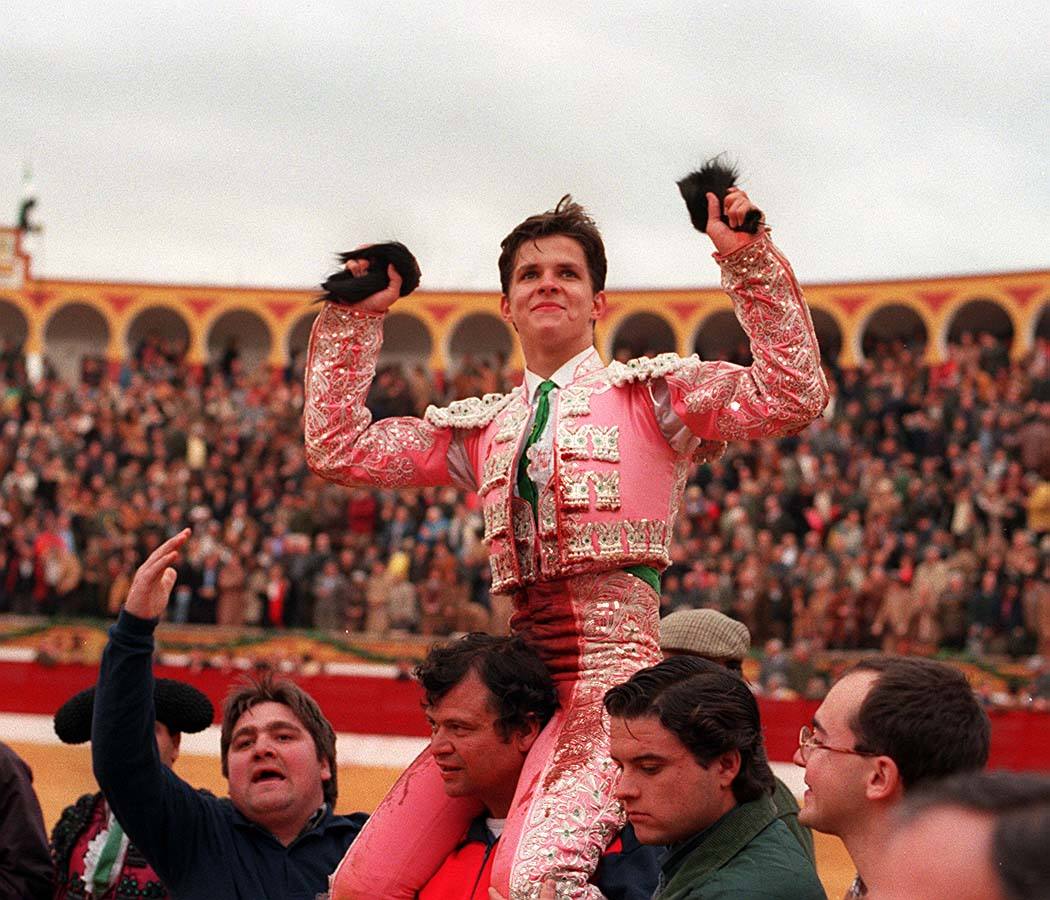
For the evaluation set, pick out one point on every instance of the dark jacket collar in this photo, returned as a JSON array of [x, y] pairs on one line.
[[322, 819], [712, 848]]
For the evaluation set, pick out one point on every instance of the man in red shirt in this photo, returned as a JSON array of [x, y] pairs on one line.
[[487, 701]]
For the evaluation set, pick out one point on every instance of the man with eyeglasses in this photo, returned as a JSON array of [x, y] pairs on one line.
[[888, 725]]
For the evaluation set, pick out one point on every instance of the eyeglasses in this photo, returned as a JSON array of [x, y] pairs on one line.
[[807, 743]]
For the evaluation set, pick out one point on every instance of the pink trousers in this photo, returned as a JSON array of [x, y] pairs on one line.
[[593, 631]]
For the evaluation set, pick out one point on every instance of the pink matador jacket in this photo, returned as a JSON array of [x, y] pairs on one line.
[[621, 441]]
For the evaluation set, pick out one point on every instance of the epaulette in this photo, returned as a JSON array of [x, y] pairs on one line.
[[68, 828], [470, 412], [647, 368]]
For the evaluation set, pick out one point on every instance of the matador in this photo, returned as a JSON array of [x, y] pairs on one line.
[[579, 471]]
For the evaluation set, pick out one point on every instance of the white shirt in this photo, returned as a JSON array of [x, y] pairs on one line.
[[541, 462]]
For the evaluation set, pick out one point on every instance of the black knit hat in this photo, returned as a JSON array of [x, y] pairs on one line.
[[180, 706]]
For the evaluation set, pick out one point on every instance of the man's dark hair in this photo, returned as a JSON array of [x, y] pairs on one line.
[[269, 688], [567, 218], [924, 716], [1020, 806], [521, 687], [709, 709]]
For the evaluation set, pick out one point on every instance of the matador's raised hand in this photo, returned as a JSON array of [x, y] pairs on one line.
[[723, 236], [380, 301], [154, 579]]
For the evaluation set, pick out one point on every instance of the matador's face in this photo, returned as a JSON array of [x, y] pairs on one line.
[[551, 301]]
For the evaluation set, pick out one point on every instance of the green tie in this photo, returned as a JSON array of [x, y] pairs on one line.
[[526, 488]]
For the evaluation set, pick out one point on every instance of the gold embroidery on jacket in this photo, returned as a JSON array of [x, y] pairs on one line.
[[548, 514], [497, 469], [578, 540], [636, 531], [575, 490], [606, 489], [605, 443], [497, 518], [574, 401], [572, 442], [511, 424], [608, 534]]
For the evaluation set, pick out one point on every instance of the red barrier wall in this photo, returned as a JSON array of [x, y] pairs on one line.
[[1020, 739]]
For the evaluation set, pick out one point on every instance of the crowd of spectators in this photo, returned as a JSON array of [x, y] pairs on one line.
[[914, 516]]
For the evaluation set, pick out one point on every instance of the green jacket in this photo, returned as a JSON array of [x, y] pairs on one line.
[[748, 854], [787, 812]]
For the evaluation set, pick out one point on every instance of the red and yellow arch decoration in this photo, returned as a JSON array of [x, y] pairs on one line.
[[1023, 296]]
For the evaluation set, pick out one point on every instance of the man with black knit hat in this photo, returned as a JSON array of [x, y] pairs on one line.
[[92, 854]]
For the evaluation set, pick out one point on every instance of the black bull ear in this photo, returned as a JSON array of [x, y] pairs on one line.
[[716, 176], [343, 287]]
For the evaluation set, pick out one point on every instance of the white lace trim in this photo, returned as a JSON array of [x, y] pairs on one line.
[[94, 851], [471, 412], [648, 367]]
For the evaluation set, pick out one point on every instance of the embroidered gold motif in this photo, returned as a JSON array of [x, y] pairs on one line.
[[504, 573], [572, 442], [549, 555], [497, 469], [547, 514], [608, 539], [606, 489], [659, 535], [521, 516], [589, 442], [646, 368], [497, 518], [527, 561], [605, 443], [575, 492], [636, 531], [574, 401], [511, 424], [578, 543]]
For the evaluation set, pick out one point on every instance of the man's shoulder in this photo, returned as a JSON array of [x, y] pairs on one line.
[[647, 368], [771, 866], [12, 765], [72, 821], [471, 412], [331, 826], [354, 821]]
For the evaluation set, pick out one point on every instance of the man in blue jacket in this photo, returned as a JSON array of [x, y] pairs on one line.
[[277, 835]]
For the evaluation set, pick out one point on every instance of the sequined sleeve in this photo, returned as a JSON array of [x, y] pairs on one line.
[[343, 444], [784, 388]]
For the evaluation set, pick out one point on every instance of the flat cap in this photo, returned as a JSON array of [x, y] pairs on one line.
[[180, 706], [704, 632]]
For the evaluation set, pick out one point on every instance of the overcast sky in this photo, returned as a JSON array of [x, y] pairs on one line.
[[244, 143]]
